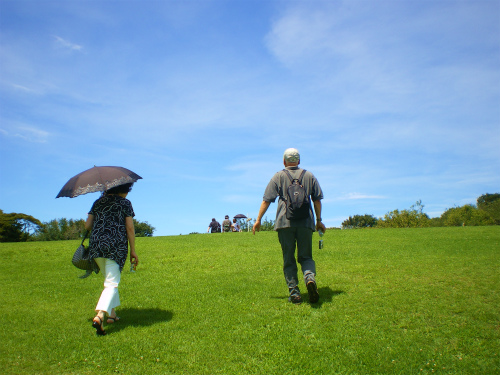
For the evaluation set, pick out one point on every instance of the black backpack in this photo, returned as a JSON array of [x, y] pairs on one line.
[[297, 199]]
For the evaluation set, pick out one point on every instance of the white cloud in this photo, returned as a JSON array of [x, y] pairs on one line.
[[24, 89], [298, 33], [67, 44], [317, 32], [357, 196], [404, 75], [28, 133]]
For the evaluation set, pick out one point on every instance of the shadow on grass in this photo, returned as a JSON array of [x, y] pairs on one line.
[[326, 295], [133, 317]]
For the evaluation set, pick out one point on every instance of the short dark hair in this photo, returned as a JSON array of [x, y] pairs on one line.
[[120, 189]]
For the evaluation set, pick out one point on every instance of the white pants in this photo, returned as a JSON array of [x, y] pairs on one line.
[[109, 297]]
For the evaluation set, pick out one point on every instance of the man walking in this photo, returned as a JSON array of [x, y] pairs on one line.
[[294, 232]]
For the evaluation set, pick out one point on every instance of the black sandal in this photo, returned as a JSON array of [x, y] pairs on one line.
[[113, 319], [98, 326]]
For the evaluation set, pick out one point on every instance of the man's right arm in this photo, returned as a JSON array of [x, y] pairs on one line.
[[263, 208]]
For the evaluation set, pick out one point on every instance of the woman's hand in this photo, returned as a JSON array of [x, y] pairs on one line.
[[129, 225], [134, 258]]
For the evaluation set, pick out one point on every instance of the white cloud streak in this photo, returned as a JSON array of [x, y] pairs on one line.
[[358, 196], [24, 89], [63, 43], [27, 133]]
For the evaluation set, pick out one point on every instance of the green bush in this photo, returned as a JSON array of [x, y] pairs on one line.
[[16, 227], [490, 203], [412, 218], [467, 215], [143, 229], [61, 229], [359, 221]]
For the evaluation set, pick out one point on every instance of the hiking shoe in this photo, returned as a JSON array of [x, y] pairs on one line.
[[295, 299], [313, 291]]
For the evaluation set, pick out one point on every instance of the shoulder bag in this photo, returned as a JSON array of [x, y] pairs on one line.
[[81, 259]]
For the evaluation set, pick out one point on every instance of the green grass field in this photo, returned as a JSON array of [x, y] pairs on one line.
[[393, 301]]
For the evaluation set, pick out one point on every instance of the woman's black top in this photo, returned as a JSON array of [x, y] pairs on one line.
[[109, 234]]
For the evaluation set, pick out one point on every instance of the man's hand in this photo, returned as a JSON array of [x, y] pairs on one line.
[[256, 226], [320, 226], [317, 210], [262, 210]]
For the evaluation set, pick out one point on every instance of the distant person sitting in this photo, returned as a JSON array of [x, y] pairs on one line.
[[214, 226], [226, 224], [236, 226]]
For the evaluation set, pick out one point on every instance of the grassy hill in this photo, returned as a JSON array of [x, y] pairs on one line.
[[393, 301]]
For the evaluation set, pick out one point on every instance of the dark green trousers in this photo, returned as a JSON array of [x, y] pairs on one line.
[[301, 239]]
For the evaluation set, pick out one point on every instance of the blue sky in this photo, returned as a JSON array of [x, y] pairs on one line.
[[388, 102]]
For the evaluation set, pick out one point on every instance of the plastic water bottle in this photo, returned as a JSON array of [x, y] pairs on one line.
[[132, 266], [320, 239]]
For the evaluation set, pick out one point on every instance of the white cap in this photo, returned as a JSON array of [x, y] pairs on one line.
[[291, 155]]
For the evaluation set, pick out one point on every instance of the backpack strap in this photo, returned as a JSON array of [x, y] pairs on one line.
[[291, 178], [288, 174], [302, 176]]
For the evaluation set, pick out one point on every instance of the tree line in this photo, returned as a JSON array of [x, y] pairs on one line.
[[485, 212], [16, 227]]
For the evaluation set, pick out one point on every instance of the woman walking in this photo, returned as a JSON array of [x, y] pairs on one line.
[[112, 225]]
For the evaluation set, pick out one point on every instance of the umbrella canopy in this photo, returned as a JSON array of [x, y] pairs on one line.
[[240, 216], [97, 179]]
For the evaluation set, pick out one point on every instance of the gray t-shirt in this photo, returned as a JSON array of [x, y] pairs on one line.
[[278, 186]]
